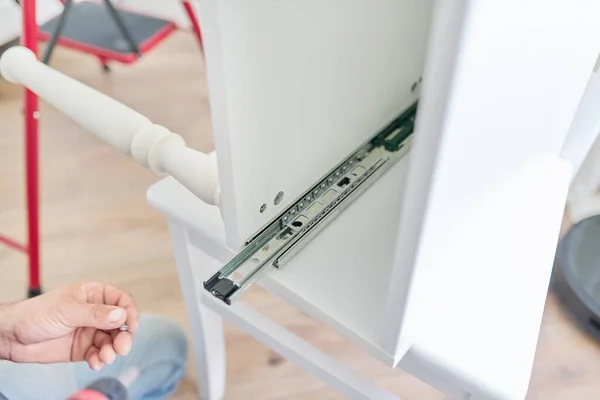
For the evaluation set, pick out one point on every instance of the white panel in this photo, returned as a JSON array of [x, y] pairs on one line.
[[519, 74], [339, 278], [302, 83], [586, 125], [482, 308]]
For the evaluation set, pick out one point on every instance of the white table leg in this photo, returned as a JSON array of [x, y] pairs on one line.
[[206, 325]]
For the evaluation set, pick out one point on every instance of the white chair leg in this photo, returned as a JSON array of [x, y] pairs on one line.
[[206, 325], [300, 352]]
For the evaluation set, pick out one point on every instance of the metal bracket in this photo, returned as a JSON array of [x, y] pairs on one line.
[[315, 209]]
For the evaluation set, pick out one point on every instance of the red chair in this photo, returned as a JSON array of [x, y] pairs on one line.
[[138, 35]]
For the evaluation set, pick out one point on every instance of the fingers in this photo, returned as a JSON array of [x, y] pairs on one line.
[[104, 307], [120, 298], [101, 338], [92, 357], [105, 347], [122, 342], [104, 293], [107, 354], [98, 316]]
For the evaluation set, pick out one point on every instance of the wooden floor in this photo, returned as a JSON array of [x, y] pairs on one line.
[[96, 224]]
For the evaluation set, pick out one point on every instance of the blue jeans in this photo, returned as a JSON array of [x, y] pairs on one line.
[[158, 354]]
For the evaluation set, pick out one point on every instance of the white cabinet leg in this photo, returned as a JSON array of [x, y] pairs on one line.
[[206, 325]]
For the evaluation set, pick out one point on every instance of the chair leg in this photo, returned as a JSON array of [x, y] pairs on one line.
[[189, 9], [122, 28], [31, 114], [206, 325], [297, 350], [104, 64], [57, 31]]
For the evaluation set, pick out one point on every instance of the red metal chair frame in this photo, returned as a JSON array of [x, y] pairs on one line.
[[29, 39]]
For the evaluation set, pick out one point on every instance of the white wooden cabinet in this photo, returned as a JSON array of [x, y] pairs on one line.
[[441, 267]]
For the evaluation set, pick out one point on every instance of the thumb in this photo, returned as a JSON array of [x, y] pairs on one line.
[[99, 316]]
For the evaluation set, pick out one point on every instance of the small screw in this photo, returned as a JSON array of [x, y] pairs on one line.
[[123, 328], [278, 198], [263, 208], [36, 115]]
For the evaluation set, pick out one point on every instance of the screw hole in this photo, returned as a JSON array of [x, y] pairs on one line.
[[263, 208], [297, 224], [278, 198]]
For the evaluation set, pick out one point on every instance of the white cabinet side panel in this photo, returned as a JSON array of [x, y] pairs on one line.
[[520, 71], [305, 82]]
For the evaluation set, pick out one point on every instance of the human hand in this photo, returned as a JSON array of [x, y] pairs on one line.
[[79, 322]]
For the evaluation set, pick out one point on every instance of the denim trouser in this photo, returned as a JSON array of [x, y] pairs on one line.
[[158, 355]]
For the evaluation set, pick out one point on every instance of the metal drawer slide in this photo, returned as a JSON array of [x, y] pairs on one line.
[[315, 209]]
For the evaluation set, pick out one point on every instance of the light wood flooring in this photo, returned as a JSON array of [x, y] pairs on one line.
[[96, 224]]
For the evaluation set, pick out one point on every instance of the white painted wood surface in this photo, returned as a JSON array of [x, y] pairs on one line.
[[206, 325], [205, 313], [501, 89], [475, 136], [485, 160], [585, 126], [478, 340], [297, 85], [584, 197], [332, 280], [478, 312], [485, 112], [494, 99], [298, 351], [153, 146]]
